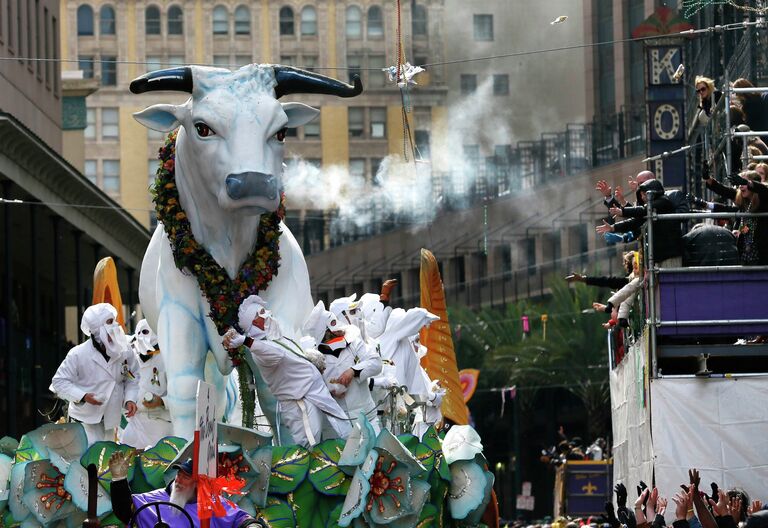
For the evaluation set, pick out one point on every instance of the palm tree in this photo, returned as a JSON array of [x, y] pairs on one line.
[[573, 354]]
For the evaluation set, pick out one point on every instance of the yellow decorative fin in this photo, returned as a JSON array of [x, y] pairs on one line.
[[106, 288], [440, 360]]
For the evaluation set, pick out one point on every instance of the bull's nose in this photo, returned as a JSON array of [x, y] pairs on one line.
[[251, 184]]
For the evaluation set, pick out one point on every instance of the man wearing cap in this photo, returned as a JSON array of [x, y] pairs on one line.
[[182, 492], [99, 376], [152, 420], [305, 403]]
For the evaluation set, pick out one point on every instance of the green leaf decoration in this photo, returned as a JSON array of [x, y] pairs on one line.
[[25, 452], [441, 466], [429, 517], [408, 440], [304, 502], [438, 494], [428, 451], [333, 517], [99, 454], [289, 468], [277, 513], [111, 521], [324, 472], [155, 461], [8, 521], [139, 484]]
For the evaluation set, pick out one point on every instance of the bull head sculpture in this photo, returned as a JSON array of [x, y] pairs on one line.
[[233, 128]]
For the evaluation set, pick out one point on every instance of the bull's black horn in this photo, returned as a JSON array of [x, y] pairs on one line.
[[294, 80], [170, 79]]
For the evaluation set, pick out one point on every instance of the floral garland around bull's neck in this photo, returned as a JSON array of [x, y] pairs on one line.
[[224, 294]]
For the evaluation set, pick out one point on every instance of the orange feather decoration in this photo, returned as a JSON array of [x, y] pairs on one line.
[[440, 360]]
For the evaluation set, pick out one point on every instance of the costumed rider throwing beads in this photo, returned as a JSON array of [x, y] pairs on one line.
[[292, 375], [182, 492], [152, 420], [99, 377]]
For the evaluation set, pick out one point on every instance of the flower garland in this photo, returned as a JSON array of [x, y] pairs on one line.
[[224, 294]]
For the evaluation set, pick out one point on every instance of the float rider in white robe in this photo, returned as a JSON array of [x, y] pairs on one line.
[[152, 421], [349, 363], [304, 402], [99, 377]]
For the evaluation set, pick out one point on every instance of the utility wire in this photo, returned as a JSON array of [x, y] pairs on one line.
[[689, 33]]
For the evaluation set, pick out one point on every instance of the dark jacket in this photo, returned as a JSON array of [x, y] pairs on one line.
[[667, 239], [761, 234], [614, 283], [710, 245]]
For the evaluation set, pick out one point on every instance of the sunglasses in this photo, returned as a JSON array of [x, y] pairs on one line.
[[701, 90]]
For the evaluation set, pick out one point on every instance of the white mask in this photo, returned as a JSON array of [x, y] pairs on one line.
[[114, 340]]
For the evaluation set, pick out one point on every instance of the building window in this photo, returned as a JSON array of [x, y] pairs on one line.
[[357, 168], [286, 21], [468, 83], [421, 139], [152, 20], [606, 91], [375, 166], [90, 170], [107, 20], [84, 20], [356, 122], [375, 22], [242, 20], [378, 122], [242, 60], [376, 76], [220, 20], [354, 66], [152, 165], [419, 21], [309, 21], [309, 62], [110, 123], [501, 84], [354, 22], [109, 71], [312, 130], [221, 61], [111, 180], [175, 21], [176, 60], [85, 63], [483, 25], [288, 60], [90, 123]]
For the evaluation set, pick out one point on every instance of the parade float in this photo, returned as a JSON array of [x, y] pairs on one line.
[[221, 238]]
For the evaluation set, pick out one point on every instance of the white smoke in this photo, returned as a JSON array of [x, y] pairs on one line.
[[405, 192]]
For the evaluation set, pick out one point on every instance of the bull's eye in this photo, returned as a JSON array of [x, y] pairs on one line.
[[280, 136], [204, 130]]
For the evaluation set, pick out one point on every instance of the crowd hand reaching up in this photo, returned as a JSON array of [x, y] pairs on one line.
[[632, 183], [650, 505], [621, 495], [755, 507], [720, 507], [715, 495], [615, 211], [639, 513], [683, 505], [619, 195], [734, 508], [600, 307], [704, 515], [610, 516], [604, 188], [605, 228], [661, 506], [575, 277]]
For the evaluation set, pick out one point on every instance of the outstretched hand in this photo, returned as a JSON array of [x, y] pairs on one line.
[[604, 188], [621, 495], [575, 277], [119, 463], [604, 228]]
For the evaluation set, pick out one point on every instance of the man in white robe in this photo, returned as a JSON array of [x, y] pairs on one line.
[[152, 421], [99, 377], [305, 403]]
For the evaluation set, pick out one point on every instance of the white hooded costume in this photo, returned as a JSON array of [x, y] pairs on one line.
[[346, 352], [305, 403], [113, 382], [148, 426]]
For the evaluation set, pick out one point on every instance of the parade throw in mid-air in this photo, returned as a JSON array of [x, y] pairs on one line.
[[219, 200]]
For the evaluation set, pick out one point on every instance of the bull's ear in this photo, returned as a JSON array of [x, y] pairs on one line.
[[160, 117], [299, 114]]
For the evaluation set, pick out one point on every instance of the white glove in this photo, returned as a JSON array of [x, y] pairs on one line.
[[233, 339], [385, 382]]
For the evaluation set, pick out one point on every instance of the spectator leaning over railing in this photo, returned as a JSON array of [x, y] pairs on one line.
[[755, 106], [667, 241], [620, 303], [708, 98], [750, 197]]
